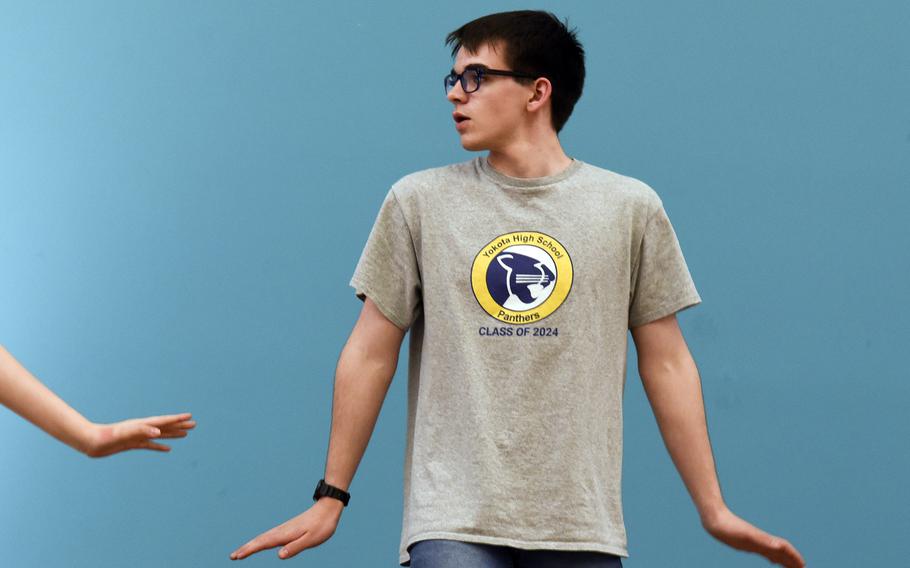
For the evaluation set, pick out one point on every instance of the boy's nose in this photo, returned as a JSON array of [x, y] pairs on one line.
[[456, 93]]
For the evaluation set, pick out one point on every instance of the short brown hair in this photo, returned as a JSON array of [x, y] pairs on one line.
[[537, 43]]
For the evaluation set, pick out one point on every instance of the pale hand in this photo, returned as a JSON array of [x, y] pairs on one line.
[[736, 532], [307, 530], [102, 440]]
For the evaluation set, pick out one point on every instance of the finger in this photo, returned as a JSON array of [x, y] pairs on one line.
[[136, 430], [154, 446], [181, 431], [795, 553], [294, 547], [167, 420], [266, 540], [182, 427], [167, 434], [792, 555], [780, 551], [187, 425]]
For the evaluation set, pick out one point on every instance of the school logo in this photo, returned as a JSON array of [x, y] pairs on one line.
[[521, 277]]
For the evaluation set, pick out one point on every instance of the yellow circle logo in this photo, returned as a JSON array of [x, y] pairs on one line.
[[521, 277]]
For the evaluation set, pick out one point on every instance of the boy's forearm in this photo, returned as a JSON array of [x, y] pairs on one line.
[[25, 395], [674, 390], [361, 383]]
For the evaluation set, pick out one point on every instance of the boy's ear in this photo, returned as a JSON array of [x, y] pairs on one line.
[[543, 90]]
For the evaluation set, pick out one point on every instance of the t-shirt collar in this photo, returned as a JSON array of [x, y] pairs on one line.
[[528, 183]]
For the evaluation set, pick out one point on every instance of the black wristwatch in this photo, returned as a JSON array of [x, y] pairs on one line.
[[323, 489]]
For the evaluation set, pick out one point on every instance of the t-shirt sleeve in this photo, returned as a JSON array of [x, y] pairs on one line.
[[661, 283], [388, 272]]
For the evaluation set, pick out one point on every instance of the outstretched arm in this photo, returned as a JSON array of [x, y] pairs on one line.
[[25, 395], [673, 387], [365, 370]]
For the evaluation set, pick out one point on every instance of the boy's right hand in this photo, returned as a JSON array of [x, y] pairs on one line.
[[308, 529]]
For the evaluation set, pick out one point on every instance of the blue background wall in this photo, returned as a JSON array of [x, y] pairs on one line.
[[185, 189]]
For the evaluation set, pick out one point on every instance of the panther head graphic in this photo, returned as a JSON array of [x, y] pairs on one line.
[[517, 281]]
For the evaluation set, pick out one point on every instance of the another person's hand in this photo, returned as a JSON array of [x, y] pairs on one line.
[[28, 397], [101, 440], [736, 532], [307, 530]]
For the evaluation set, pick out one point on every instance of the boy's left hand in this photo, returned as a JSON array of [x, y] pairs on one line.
[[736, 532]]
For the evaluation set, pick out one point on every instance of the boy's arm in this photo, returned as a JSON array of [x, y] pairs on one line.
[[673, 387], [365, 370], [25, 395]]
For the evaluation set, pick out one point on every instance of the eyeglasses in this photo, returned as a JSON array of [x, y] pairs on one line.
[[471, 77]]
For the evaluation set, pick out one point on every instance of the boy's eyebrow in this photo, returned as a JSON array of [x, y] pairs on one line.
[[472, 66]]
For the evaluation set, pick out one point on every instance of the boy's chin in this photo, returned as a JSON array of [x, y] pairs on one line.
[[473, 146]]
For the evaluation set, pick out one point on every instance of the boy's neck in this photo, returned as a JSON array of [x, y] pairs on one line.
[[525, 161]]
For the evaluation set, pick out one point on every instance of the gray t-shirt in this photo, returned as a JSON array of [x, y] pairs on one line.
[[518, 294]]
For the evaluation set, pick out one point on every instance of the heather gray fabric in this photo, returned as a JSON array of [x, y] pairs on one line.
[[517, 356]]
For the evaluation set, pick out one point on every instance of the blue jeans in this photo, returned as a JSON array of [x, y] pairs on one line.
[[438, 553]]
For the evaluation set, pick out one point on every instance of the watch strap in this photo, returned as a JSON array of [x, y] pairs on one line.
[[323, 489]]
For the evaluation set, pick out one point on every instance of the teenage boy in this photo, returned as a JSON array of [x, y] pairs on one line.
[[518, 275]]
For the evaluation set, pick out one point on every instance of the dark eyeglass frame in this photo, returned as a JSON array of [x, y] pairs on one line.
[[453, 77]]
